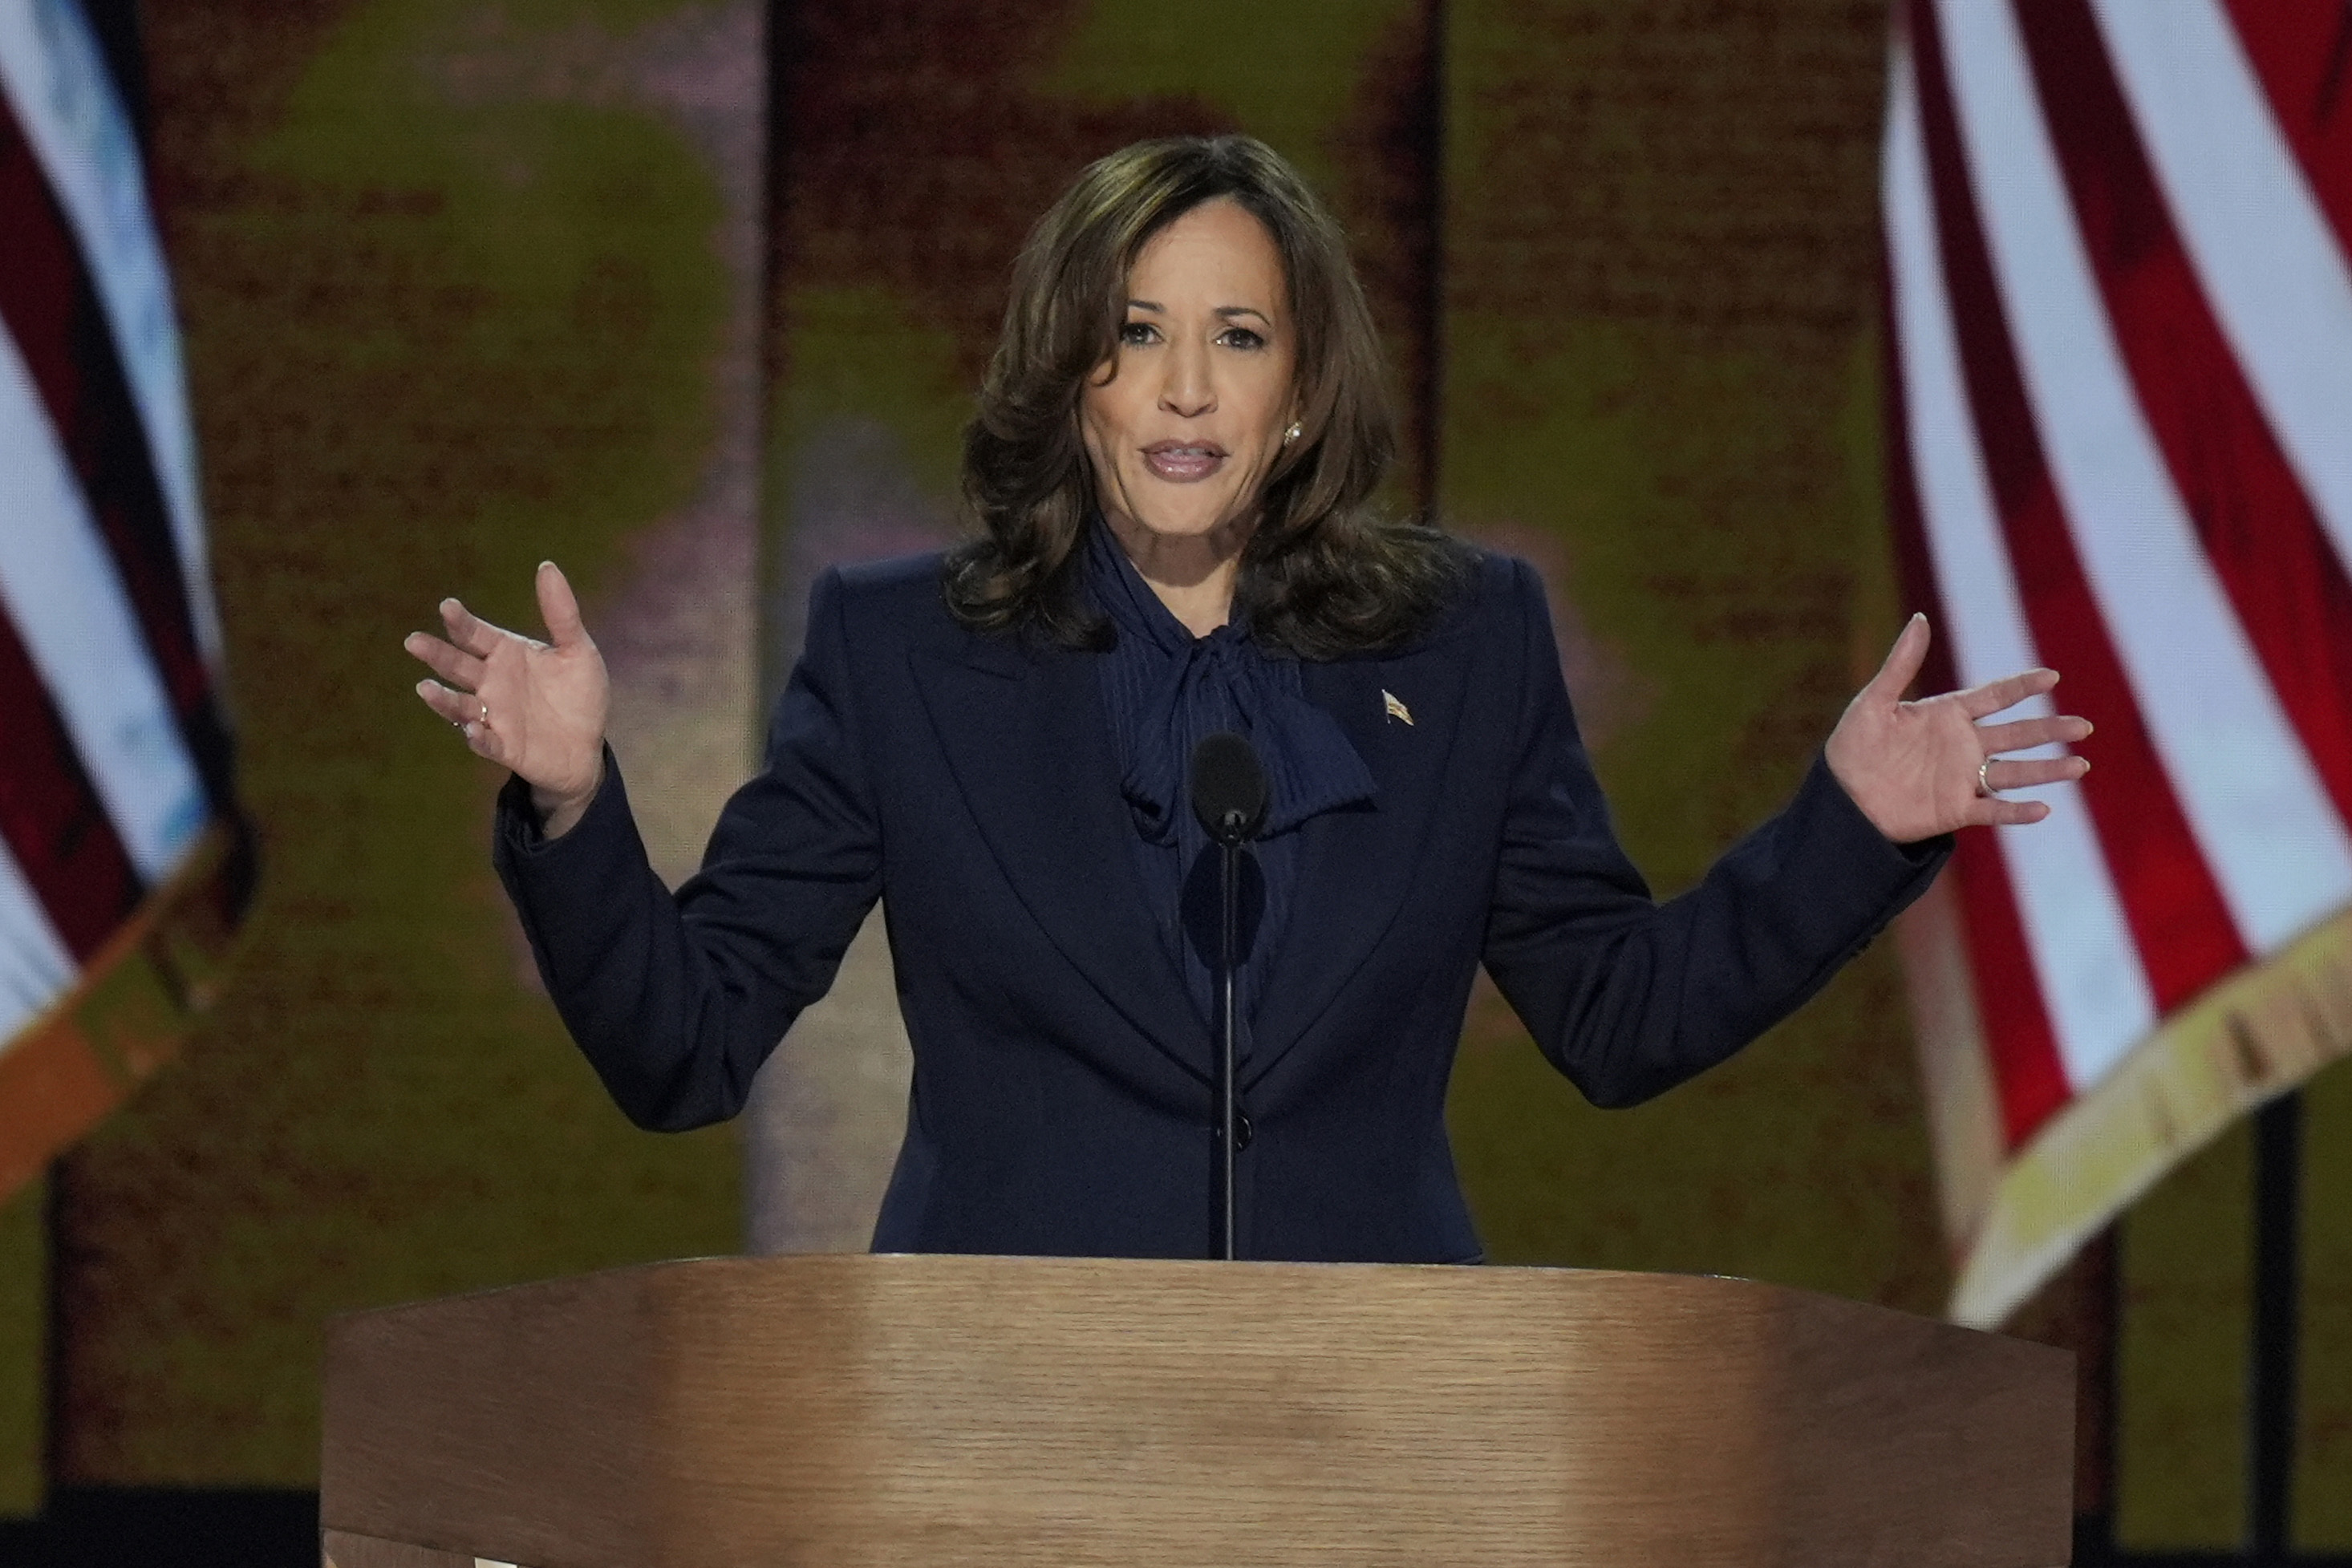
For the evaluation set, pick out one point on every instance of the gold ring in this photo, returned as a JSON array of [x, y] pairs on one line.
[[1984, 784]]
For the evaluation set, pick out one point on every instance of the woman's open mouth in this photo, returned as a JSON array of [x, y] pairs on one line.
[[1183, 461]]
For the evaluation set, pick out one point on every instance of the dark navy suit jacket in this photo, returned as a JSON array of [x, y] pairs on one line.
[[1061, 1099]]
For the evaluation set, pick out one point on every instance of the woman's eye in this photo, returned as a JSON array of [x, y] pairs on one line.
[[1136, 334], [1242, 338]]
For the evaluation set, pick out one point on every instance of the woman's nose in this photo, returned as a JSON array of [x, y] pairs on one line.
[[1190, 389]]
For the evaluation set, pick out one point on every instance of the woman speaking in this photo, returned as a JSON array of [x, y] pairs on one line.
[[1171, 471]]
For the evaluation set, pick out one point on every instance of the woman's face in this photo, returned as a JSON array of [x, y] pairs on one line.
[[1186, 417]]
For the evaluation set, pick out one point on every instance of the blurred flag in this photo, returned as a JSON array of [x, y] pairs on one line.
[[123, 868], [2120, 376]]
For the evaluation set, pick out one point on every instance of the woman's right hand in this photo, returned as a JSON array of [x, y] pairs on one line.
[[536, 707]]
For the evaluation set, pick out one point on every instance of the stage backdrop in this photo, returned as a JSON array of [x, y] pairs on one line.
[[465, 288]]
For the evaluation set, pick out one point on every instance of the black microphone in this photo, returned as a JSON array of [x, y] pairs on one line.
[[1229, 796], [1229, 792]]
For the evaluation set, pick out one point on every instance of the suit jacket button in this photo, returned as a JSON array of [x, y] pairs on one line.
[[1243, 1131]]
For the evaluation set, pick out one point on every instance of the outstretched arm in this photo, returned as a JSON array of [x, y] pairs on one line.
[[1628, 996], [676, 1000]]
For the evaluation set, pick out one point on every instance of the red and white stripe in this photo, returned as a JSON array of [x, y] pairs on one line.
[[2120, 318], [113, 756], [68, 107]]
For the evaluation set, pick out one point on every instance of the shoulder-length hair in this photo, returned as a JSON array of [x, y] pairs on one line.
[[1322, 574]]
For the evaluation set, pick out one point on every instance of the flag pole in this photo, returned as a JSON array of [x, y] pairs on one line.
[[2095, 1333], [2272, 1373]]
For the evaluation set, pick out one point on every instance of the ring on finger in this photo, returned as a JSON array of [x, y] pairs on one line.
[[486, 715], [1984, 780]]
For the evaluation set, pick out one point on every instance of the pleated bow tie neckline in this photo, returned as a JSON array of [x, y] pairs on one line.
[[1184, 688]]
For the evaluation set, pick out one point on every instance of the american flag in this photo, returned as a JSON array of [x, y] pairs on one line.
[[120, 874], [2119, 348]]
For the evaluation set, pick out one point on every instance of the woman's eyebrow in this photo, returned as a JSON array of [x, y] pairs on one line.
[[1226, 311]]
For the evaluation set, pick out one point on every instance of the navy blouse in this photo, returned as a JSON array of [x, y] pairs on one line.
[[1166, 690]]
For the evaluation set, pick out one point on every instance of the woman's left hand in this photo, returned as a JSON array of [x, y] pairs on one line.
[[1920, 769]]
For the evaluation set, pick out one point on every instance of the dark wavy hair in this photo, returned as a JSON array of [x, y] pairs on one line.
[[1322, 573]]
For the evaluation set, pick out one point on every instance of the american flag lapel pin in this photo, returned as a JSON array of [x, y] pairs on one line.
[[1394, 708]]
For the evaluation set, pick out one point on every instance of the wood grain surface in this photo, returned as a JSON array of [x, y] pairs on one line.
[[854, 1410], [339, 1549]]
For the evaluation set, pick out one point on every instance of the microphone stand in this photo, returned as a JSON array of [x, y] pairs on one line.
[[1229, 852], [1230, 798]]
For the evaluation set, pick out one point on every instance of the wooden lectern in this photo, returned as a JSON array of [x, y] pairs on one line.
[[918, 1410]]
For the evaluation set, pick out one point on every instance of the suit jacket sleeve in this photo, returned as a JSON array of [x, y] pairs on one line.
[[1629, 997], [676, 1000]]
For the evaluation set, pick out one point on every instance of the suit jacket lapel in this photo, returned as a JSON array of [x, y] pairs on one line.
[[1027, 738], [1356, 865]]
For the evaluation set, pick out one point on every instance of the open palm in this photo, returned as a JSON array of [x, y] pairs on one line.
[[1916, 767], [536, 707]]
